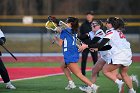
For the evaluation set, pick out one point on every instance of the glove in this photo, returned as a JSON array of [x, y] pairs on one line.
[[2, 40], [53, 19]]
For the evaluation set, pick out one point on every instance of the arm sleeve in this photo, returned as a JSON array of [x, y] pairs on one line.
[[99, 45], [104, 48], [95, 40]]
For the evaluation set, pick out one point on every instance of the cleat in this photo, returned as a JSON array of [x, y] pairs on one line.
[[89, 89], [10, 86], [135, 79], [70, 86]]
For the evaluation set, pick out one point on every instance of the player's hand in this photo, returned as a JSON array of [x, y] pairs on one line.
[[58, 29], [82, 47], [93, 49]]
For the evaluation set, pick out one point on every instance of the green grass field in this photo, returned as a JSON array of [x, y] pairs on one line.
[[56, 84]]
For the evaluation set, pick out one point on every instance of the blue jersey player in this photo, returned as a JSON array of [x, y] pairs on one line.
[[70, 50], [71, 55]]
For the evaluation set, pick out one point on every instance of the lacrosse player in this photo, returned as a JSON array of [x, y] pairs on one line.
[[3, 71], [71, 55], [96, 36], [120, 53]]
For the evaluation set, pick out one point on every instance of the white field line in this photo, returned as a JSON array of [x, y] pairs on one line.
[[37, 77]]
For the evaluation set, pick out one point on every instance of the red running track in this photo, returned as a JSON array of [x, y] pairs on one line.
[[31, 72]]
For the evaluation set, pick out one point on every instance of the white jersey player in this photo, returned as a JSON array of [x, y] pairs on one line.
[[120, 47], [96, 36], [120, 53], [3, 70]]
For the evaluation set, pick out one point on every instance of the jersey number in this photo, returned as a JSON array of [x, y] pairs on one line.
[[121, 35], [73, 43]]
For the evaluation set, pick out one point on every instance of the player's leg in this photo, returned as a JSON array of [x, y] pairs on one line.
[[127, 78], [67, 73], [5, 76], [98, 67], [94, 56], [134, 78], [108, 71], [76, 71], [84, 61]]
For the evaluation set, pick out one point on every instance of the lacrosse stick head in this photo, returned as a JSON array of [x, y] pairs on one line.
[[50, 25]]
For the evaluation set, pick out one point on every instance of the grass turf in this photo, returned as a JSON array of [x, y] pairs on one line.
[[56, 84]]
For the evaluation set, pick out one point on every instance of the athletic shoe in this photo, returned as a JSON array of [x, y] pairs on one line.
[[70, 86], [83, 88], [89, 89], [130, 91], [121, 86], [135, 79], [10, 86]]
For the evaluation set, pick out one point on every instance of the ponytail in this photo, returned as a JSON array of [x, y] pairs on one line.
[[74, 24]]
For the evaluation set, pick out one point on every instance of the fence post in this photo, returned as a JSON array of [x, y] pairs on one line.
[[41, 43]]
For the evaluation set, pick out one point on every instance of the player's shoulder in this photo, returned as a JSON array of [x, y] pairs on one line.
[[110, 30], [99, 32]]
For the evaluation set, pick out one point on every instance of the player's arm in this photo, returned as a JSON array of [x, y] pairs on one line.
[[106, 39], [96, 46], [95, 40], [99, 45], [58, 41]]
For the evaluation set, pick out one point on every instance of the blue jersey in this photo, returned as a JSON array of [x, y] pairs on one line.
[[70, 50]]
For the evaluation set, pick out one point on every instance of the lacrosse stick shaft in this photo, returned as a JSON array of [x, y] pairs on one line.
[[9, 52]]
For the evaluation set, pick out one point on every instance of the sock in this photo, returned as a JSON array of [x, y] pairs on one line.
[[131, 89], [118, 81], [8, 83], [70, 81], [93, 85], [131, 77]]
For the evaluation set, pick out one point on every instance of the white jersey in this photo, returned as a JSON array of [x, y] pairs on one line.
[[100, 33], [1, 34], [120, 46]]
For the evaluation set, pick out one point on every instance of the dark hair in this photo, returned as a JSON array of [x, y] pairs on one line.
[[74, 23], [116, 22], [90, 12]]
